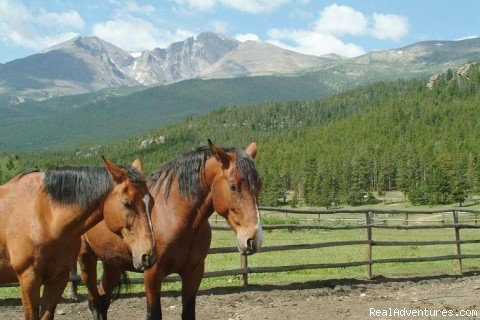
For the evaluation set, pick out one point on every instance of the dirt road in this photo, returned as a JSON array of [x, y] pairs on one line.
[[333, 299]]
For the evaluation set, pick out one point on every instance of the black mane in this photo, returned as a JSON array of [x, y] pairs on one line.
[[189, 169], [84, 186]]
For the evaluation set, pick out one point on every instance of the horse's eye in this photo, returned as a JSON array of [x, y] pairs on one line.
[[127, 204], [233, 187]]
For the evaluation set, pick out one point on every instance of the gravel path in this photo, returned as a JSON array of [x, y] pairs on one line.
[[333, 299]]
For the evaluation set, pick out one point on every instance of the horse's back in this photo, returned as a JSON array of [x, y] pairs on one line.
[[18, 196]]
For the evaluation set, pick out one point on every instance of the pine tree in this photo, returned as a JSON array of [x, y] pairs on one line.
[[311, 182], [325, 191], [459, 190], [357, 192], [441, 180], [471, 175], [382, 183]]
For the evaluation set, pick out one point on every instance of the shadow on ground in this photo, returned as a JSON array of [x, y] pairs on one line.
[[330, 283]]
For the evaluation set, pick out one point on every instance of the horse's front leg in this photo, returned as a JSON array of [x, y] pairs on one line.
[[88, 267], [153, 289], [52, 293], [110, 280], [30, 290], [190, 283]]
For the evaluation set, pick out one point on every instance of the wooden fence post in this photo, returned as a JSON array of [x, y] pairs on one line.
[[72, 291], [368, 248], [406, 219], [458, 246], [244, 265]]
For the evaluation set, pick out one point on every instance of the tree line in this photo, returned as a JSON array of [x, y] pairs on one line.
[[346, 148]]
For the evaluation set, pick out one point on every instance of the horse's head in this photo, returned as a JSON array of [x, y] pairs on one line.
[[127, 210], [234, 191]]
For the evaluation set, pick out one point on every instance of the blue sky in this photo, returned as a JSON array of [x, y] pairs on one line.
[[348, 28]]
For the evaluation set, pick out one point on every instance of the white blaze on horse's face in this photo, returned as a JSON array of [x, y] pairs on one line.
[[259, 235], [250, 236], [148, 201]]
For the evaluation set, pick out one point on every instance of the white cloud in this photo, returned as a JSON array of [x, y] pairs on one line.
[[249, 6], [389, 26], [314, 43], [38, 42], [341, 20], [300, 14], [131, 28], [70, 19], [131, 6], [198, 4], [468, 37], [219, 26], [247, 36], [135, 34], [254, 6], [335, 21], [19, 26]]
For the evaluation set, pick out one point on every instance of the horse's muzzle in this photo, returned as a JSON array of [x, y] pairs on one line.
[[249, 247], [144, 261]]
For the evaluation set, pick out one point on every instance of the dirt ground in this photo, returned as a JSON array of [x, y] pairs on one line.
[[332, 299]]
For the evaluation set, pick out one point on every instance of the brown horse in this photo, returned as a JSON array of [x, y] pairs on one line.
[[187, 190], [44, 214]]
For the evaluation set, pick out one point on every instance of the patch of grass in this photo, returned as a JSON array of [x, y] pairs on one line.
[[325, 255], [279, 220]]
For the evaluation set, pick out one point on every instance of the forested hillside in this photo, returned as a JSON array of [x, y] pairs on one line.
[[121, 112], [114, 114], [397, 135]]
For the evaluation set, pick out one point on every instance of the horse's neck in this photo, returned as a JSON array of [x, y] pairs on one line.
[[73, 221], [92, 218], [187, 214], [205, 208], [190, 214], [203, 212]]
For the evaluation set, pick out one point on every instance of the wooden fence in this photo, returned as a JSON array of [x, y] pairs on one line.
[[369, 223], [368, 220]]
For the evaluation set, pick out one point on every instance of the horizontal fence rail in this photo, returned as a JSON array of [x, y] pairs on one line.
[[374, 211], [366, 219]]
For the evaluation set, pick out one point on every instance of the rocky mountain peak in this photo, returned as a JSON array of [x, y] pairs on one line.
[[84, 64], [181, 60], [208, 35]]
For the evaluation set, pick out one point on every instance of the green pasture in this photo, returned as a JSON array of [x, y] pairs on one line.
[[351, 253]]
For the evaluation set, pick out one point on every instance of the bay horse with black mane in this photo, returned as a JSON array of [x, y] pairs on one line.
[[187, 190], [44, 214]]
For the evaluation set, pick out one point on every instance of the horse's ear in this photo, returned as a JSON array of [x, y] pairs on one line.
[[117, 174], [252, 149], [137, 164], [219, 154]]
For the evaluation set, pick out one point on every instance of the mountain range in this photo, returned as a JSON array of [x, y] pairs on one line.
[[125, 93], [85, 64], [88, 64]]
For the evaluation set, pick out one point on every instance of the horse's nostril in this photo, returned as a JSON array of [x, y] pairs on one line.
[[145, 259], [251, 244]]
